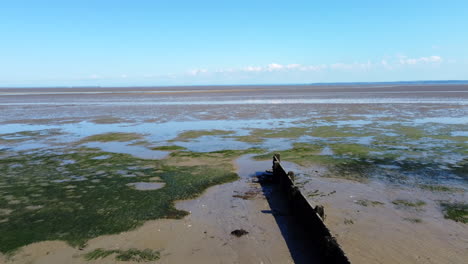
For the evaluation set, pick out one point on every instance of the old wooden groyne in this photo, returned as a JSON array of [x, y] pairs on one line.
[[309, 217]]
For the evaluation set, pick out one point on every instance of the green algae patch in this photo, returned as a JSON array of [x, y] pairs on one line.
[[352, 150], [249, 139], [302, 154], [290, 132], [100, 253], [187, 135], [168, 148], [124, 255], [413, 220], [75, 195], [138, 255], [367, 203], [22, 136], [351, 169], [109, 120], [113, 136], [335, 131], [140, 143], [221, 158], [439, 188], [349, 164], [259, 135], [461, 168], [408, 131], [456, 211], [407, 203]]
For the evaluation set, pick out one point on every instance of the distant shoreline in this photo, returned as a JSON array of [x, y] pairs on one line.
[[240, 86]]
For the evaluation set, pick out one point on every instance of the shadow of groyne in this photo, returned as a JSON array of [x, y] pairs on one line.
[[301, 224]]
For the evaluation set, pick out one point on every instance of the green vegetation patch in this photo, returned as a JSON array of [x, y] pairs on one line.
[[335, 131], [168, 148], [28, 135], [259, 135], [290, 132], [302, 154], [456, 211], [112, 136], [187, 135], [222, 158], [413, 220], [439, 188], [109, 120], [124, 255], [350, 163], [408, 131], [407, 203], [74, 195], [461, 168], [367, 203], [100, 253], [249, 139], [353, 150], [444, 132]]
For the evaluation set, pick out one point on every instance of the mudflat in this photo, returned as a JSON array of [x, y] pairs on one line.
[[388, 162]]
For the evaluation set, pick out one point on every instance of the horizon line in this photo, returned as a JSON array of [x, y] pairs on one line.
[[415, 82]]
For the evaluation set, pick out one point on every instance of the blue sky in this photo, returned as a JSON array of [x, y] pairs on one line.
[[101, 42]]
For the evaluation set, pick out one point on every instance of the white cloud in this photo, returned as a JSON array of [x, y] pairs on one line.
[[314, 68], [353, 66], [253, 69], [422, 60], [293, 66], [274, 67], [387, 63], [196, 72], [340, 66], [279, 67]]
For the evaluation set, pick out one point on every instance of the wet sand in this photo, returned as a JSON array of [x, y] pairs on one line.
[[382, 233], [188, 103]]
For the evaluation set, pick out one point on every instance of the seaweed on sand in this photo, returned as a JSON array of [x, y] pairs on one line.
[[72, 196]]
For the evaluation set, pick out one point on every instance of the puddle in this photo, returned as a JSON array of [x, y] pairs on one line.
[[66, 162], [72, 178], [30, 146], [459, 133], [212, 143], [247, 167], [443, 120], [327, 151], [122, 147], [146, 186], [390, 167], [352, 123], [102, 157]]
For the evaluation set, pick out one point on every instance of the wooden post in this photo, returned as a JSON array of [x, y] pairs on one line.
[[276, 172], [292, 176], [278, 156]]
